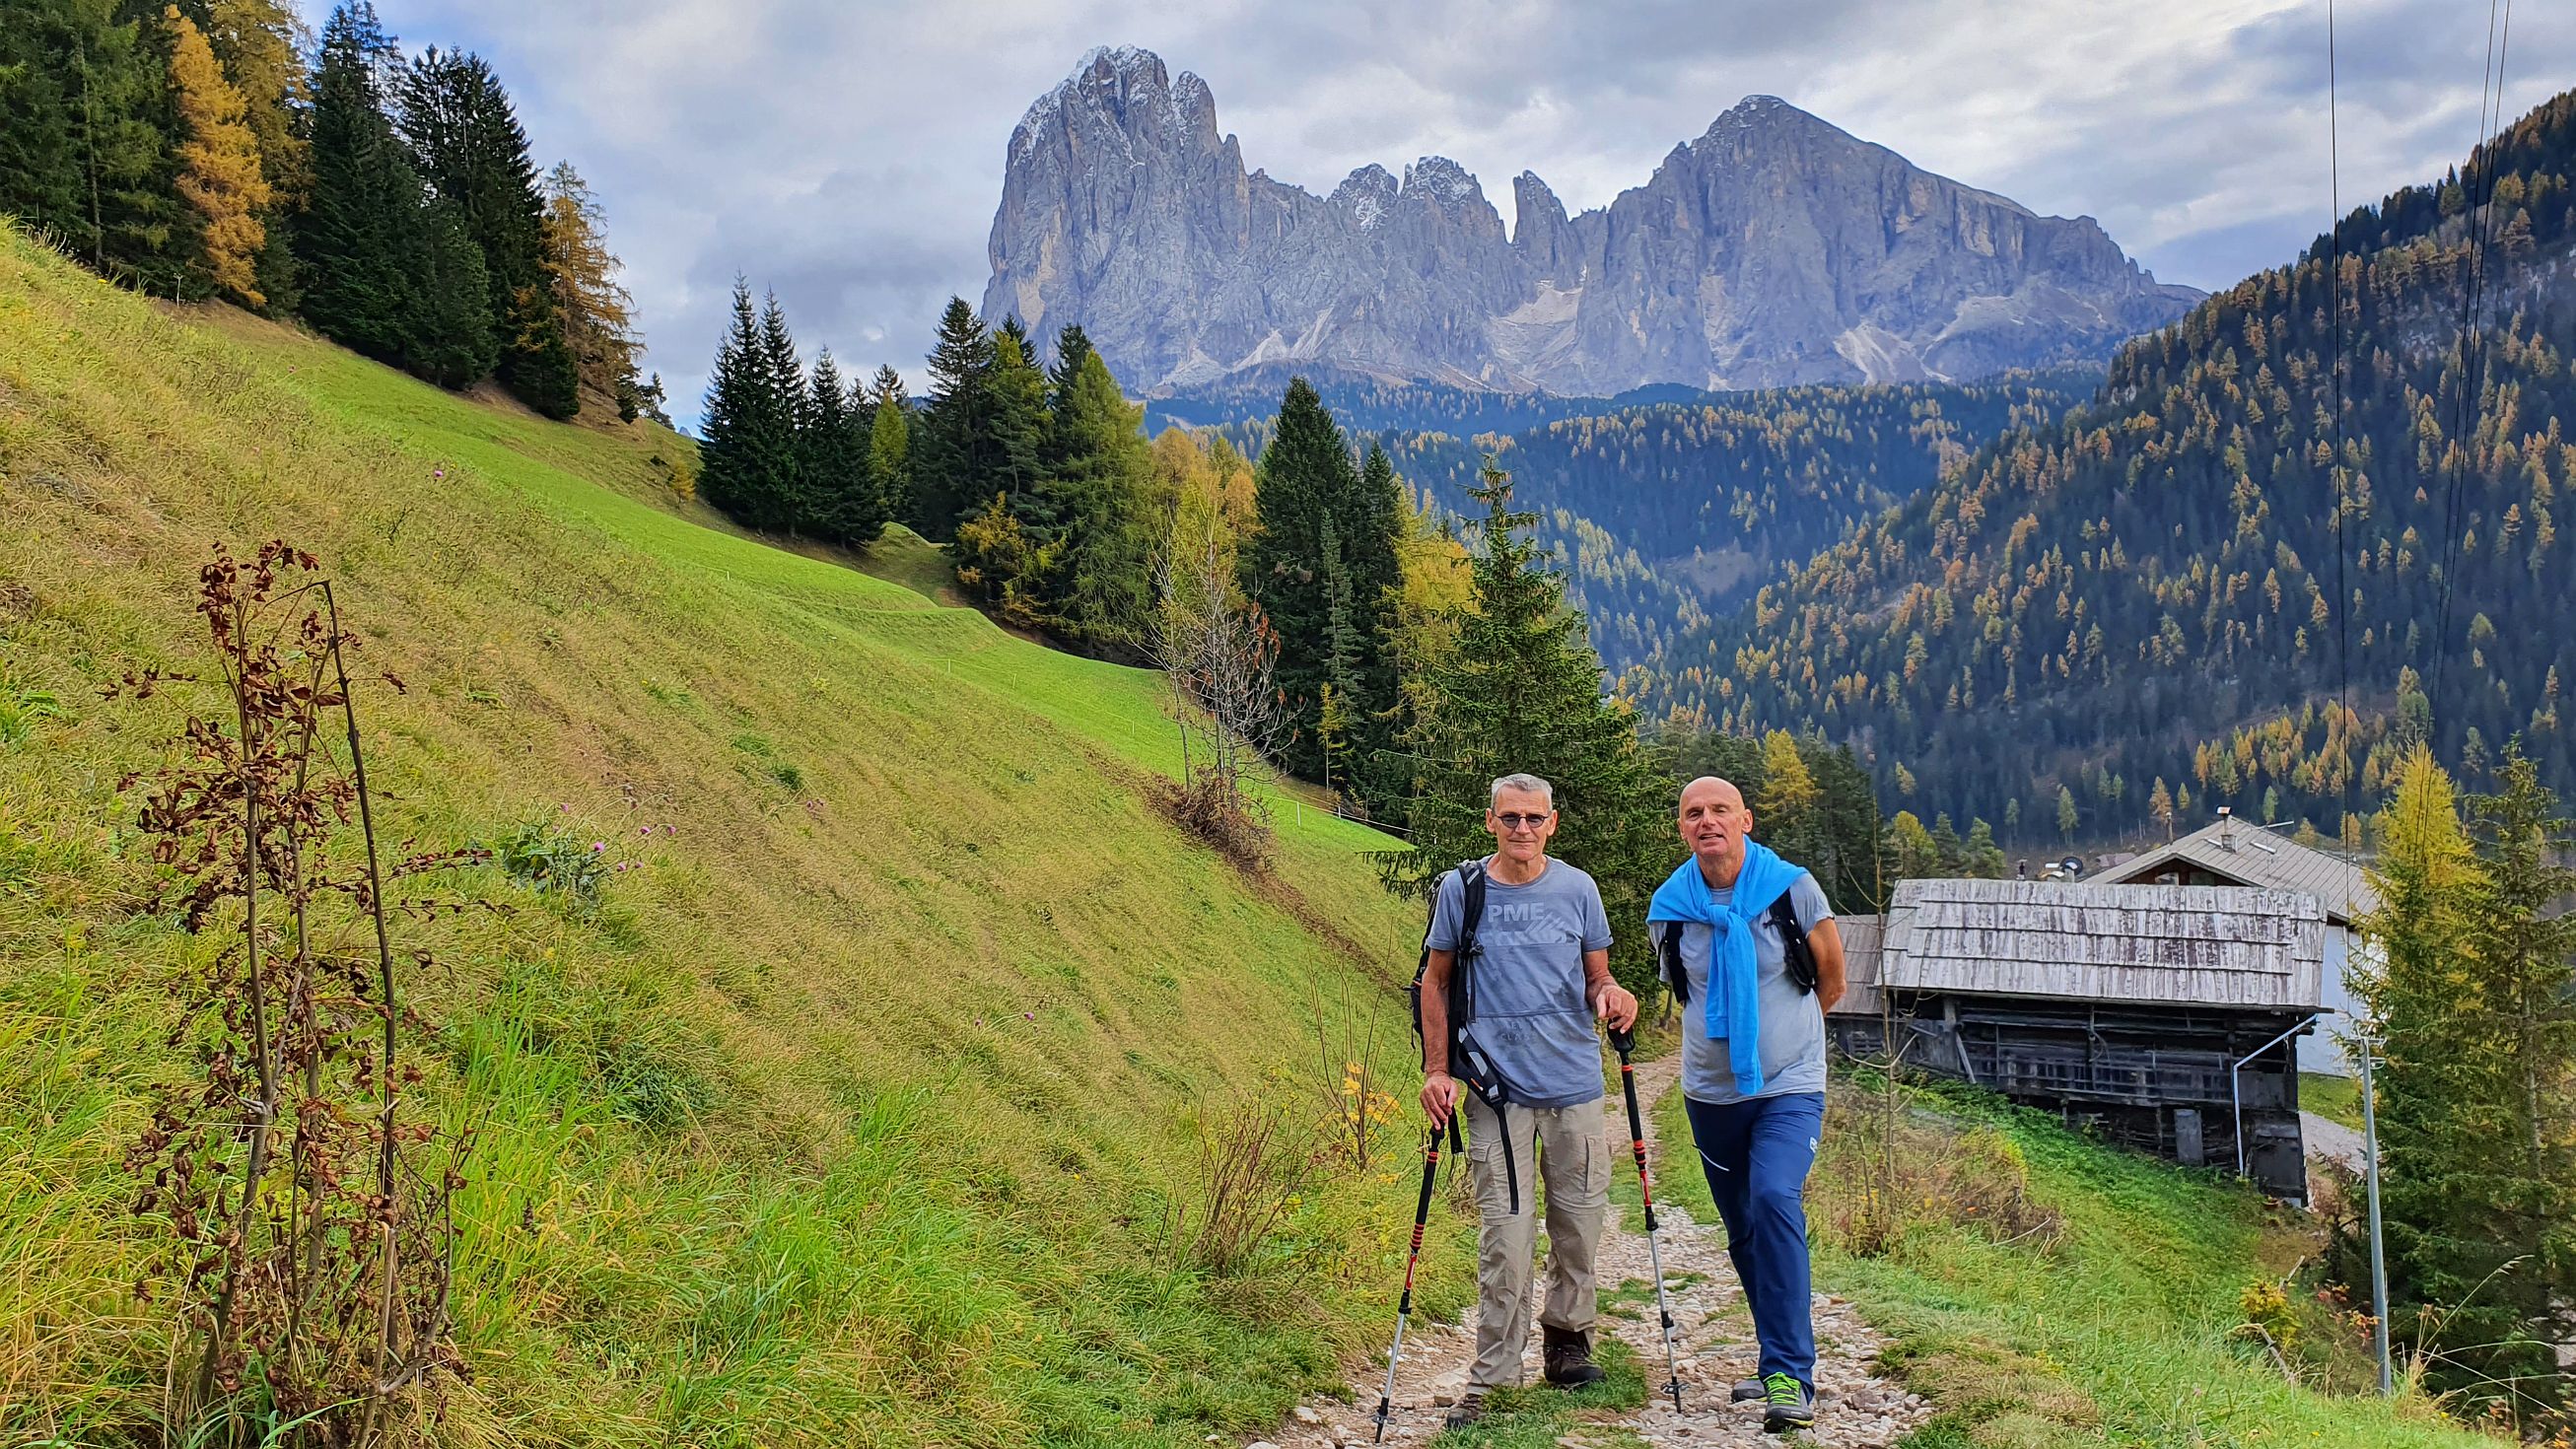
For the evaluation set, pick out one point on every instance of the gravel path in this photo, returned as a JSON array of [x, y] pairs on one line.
[[1855, 1406]]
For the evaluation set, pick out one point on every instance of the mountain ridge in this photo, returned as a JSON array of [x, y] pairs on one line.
[[1775, 249]]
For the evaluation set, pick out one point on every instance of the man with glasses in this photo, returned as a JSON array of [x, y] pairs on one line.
[[1538, 981]]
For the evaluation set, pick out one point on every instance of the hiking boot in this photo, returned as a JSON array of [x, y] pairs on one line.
[[1469, 1412], [1569, 1357], [1748, 1390], [1786, 1404]]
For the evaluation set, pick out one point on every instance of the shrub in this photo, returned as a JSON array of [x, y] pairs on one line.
[[553, 861]]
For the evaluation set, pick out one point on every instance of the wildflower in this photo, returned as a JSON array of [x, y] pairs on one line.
[[1028, 1016], [597, 846]]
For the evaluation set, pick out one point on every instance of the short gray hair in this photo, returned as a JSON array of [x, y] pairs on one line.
[[1531, 783]]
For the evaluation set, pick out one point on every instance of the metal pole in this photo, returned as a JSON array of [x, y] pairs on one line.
[[2378, 1259], [2235, 1090]]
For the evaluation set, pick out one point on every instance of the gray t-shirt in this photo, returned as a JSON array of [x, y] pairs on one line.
[[1793, 1021], [1526, 985]]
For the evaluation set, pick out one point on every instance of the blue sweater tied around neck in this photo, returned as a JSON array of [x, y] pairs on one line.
[[1732, 1005]]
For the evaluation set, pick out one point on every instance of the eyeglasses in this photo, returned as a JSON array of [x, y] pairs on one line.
[[1517, 821]]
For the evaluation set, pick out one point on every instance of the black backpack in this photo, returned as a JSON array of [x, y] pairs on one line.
[[1469, 1063], [1798, 956]]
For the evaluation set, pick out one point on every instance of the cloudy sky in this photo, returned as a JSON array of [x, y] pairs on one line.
[[849, 155]]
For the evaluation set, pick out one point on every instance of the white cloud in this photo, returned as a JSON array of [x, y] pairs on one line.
[[850, 155]]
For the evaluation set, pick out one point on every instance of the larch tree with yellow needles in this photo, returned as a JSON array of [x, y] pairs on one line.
[[219, 166]]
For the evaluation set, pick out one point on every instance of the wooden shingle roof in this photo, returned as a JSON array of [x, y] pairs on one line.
[[2166, 944], [2248, 855], [1861, 939]]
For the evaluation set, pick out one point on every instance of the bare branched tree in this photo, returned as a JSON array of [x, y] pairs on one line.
[[1216, 651]]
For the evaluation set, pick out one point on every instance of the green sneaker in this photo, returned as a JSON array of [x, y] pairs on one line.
[[1786, 1404]]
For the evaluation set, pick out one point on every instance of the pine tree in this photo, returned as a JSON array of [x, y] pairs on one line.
[[219, 164], [843, 502], [952, 448], [471, 150], [890, 444], [748, 455], [1018, 426], [1107, 504], [363, 241], [1522, 692], [597, 310], [88, 138], [1019, 572], [2067, 819], [448, 336], [1305, 476]]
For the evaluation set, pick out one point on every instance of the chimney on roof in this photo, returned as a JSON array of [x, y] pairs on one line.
[[2226, 829]]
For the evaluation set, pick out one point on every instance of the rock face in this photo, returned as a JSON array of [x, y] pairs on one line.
[[1775, 249]]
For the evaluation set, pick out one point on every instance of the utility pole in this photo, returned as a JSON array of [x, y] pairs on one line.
[[2378, 1260]]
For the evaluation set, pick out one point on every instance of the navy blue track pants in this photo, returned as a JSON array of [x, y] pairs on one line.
[[1757, 1154]]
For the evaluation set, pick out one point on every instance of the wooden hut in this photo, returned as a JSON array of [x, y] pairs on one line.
[[2164, 1016], [2229, 851]]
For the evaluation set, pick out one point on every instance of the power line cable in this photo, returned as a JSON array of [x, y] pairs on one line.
[[2480, 210], [2335, 464]]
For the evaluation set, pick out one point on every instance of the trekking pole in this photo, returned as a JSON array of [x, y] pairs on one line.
[[1623, 1042], [1404, 1306]]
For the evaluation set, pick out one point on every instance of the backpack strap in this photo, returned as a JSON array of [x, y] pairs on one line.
[[1668, 957], [1797, 957], [1468, 1061]]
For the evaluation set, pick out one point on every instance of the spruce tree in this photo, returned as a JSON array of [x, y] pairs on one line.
[[1019, 424], [747, 456], [952, 447], [1306, 475], [1108, 507], [448, 337], [472, 151], [1522, 692], [89, 130], [890, 444], [363, 243], [1018, 570], [843, 502], [786, 498]]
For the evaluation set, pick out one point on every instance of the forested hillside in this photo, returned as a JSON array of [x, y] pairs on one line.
[[1665, 513], [2157, 602]]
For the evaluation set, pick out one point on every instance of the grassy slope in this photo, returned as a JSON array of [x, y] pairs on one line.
[[848, 1119], [2337, 1099], [2118, 1332]]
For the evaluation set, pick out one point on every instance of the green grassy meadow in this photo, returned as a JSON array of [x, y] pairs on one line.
[[865, 1110], [2335, 1098]]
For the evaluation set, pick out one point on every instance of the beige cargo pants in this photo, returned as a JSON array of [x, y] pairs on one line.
[[1563, 1149]]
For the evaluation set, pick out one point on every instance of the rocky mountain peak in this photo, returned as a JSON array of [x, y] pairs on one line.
[[1124, 209], [1123, 90]]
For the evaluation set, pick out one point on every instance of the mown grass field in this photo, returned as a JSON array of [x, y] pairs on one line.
[[860, 1111], [2113, 1323]]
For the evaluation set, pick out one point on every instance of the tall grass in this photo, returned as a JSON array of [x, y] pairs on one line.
[[842, 1113], [2042, 1288]]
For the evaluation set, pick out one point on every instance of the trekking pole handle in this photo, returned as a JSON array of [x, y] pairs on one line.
[[1622, 1041]]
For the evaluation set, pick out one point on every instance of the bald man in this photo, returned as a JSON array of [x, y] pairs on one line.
[[1753, 1066]]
